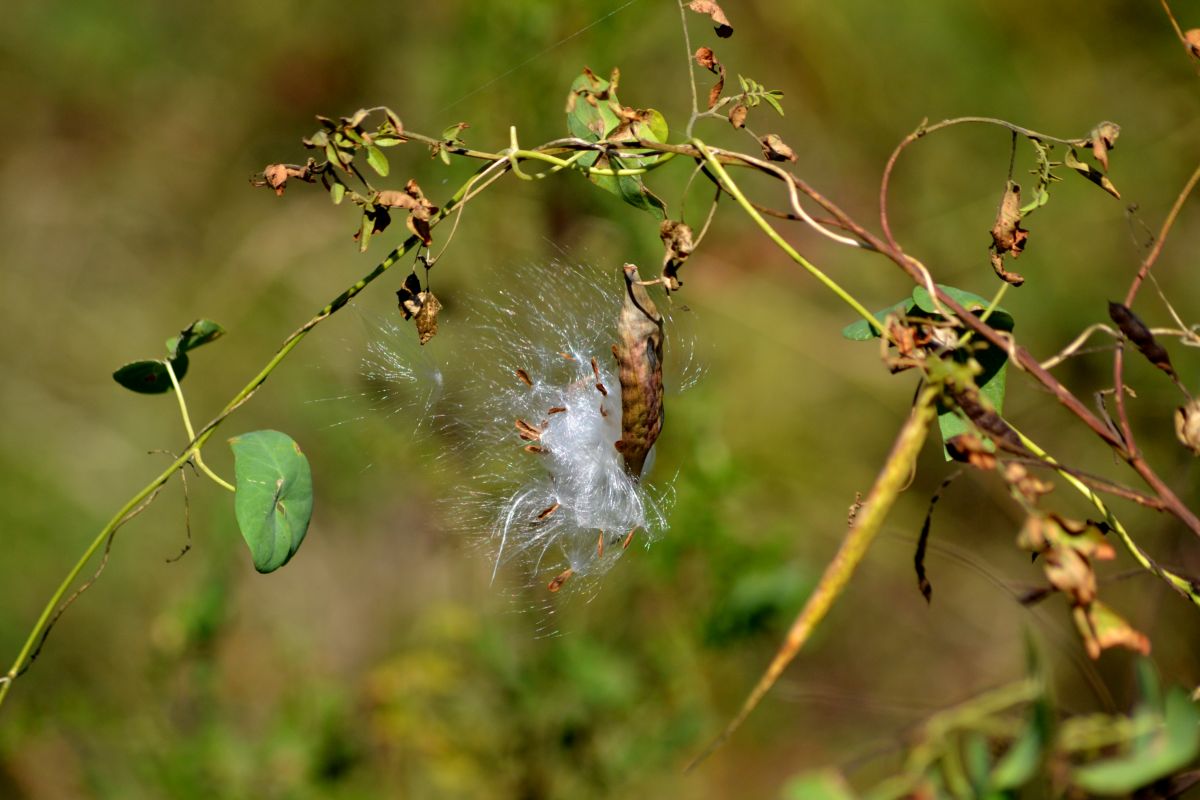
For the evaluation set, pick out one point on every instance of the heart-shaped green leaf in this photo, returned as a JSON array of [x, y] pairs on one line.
[[274, 496]]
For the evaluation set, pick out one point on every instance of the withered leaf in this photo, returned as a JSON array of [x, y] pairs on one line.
[[421, 211], [426, 316], [677, 244], [737, 117], [1102, 628], [275, 176], [1008, 237], [1192, 38], [970, 449], [1187, 425], [408, 296], [775, 149], [720, 21], [1071, 159], [1103, 138], [707, 59], [1007, 234], [1136, 331]]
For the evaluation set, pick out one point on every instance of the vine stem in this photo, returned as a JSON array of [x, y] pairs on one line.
[[893, 478], [193, 448], [736, 192], [187, 424]]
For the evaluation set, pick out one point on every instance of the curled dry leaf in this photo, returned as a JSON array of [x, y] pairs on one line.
[[707, 59], [1187, 425], [276, 176], [737, 117], [1102, 139], [426, 316], [720, 21], [1030, 486], [423, 306], [1008, 237], [775, 149], [970, 449], [1102, 628], [1192, 38], [1071, 159], [677, 244], [420, 210], [1136, 331]]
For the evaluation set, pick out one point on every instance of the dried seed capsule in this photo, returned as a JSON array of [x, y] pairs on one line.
[[639, 352]]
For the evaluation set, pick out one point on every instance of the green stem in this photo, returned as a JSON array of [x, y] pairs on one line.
[[735, 192], [205, 433], [987, 312], [187, 424]]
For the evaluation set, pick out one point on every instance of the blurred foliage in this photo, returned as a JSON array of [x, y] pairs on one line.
[[379, 662]]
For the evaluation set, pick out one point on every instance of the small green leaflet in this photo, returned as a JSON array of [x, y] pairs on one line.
[[274, 496]]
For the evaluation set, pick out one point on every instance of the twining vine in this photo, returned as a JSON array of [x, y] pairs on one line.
[[960, 344]]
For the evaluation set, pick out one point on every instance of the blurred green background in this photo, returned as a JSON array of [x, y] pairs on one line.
[[379, 663]]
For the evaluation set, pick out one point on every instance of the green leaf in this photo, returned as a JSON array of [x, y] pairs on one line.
[[274, 496], [773, 99], [377, 160], [1168, 751], [585, 120], [150, 377], [827, 784], [200, 332], [1021, 763], [337, 192], [863, 331], [999, 319], [366, 229], [655, 128]]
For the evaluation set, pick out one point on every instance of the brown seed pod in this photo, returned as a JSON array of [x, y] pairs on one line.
[[639, 351]]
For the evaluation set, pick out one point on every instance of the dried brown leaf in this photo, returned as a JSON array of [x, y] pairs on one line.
[[737, 117], [970, 449], [707, 59], [720, 21], [775, 149], [1102, 628], [1192, 38], [426, 317], [1103, 138], [678, 243], [1007, 234], [1187, 425]]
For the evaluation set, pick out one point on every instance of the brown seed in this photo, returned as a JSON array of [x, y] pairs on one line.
[[560, 579], [600, 545], [547, 511], [600, 388], [557, 410], [537, 450], [595, 369], [524, 376], [567, 356], [528, 432], [628, 539]]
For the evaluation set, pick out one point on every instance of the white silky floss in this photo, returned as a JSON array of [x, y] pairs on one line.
[[548, 487]]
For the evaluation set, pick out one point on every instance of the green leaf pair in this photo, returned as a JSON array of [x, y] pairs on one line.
[[151, 377]]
